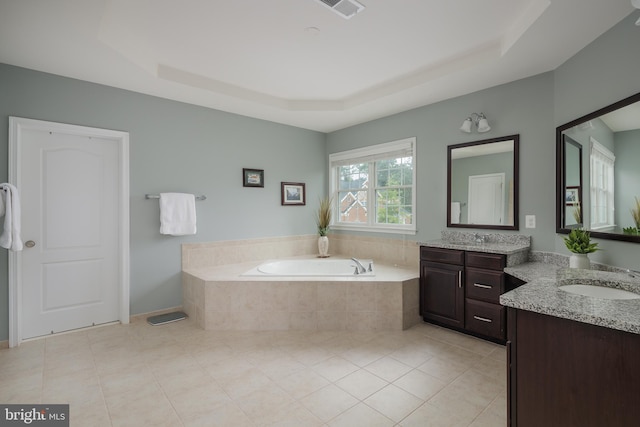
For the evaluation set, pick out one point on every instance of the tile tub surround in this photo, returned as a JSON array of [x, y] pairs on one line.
[[541, 295], [381, 250], [219, 298], [515, 246]]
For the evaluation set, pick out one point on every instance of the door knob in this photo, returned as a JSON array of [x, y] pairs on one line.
[[29, 243]]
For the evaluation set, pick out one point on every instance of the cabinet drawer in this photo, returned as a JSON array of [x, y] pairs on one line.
[[488, 261], [447, 256], [485, 285], [485, 318]]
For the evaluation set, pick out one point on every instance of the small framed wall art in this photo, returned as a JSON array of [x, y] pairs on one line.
[[292, 193], [252, 177], [572, 196]]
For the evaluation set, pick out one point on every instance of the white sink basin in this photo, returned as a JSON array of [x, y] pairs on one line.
[[599, 292]]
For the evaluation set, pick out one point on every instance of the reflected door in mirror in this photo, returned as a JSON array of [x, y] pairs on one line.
[[482, 184]]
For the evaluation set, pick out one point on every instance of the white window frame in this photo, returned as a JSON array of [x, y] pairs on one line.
[[400, 148], [600, 155]]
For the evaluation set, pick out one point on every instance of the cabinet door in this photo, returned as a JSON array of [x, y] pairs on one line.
[[442, 293]]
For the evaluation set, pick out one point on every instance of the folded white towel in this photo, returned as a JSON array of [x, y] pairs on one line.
[[177, 214], [455, 212], [10, 237]]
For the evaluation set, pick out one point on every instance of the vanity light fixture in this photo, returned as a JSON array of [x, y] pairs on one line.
[[479, 120]]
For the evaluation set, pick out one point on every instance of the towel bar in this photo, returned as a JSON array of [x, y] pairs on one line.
[[157, 196]]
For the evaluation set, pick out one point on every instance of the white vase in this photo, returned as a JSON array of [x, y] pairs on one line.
[[579, 261], [323, 246]]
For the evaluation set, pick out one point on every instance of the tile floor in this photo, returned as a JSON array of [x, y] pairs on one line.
[[179, 375]]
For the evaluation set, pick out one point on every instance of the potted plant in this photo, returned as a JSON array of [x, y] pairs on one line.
[[579, 243], [323, 221]]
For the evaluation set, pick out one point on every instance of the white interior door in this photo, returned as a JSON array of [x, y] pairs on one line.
[[486, 199], [70, 274]]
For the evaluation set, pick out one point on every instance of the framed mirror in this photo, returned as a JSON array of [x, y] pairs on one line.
[[482, 184], [597, 161]]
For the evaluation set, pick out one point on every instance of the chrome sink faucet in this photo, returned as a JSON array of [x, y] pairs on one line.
[[633, 273], [359, 267], [480, 238]]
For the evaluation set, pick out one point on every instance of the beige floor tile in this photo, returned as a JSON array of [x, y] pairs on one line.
[[180, 375], [328, 402], [486, 419], [411, 355], [226, 415], [149, 410], [199, 401], [443, 369], [291, 415], [361, 415], [419, 384], [361, 384], [244, 383], [388, 368], [335, 368], [303, 383], [393, 402], [428, 415], [264, 402], [91, 414], [280, 368]]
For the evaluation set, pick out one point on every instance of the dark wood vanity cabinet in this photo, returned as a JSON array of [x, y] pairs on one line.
[[461, 289], [441, 286], [567, 373]]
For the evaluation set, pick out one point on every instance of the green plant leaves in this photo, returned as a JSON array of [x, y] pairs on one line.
[[579, 242]]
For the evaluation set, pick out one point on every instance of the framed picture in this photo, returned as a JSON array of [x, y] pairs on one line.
[[252, 177], [572, 196], [292, 193]]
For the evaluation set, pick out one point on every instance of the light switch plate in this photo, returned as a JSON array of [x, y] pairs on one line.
[[530, 221]]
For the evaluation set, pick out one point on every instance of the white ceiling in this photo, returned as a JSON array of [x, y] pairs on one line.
[[296, 61]]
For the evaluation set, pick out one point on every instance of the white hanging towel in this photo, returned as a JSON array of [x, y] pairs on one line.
[[455, 212], [3, 194], [177, 214], [10, 237]]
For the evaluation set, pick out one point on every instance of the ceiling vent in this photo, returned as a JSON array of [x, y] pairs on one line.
[[345, 8]]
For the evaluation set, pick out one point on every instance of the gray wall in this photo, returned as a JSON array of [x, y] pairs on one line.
[[179, 147], [175, 147], [523, 107], [602, 73]]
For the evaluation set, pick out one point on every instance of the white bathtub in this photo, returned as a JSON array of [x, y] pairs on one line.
[[325, 267]]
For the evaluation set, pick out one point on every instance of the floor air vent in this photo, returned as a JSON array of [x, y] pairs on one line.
[[162, 319], [345, 8]]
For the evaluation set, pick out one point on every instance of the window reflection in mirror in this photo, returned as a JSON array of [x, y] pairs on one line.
[[482, 184], [610, 157]]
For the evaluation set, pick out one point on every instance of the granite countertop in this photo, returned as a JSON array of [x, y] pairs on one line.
[[515, 246], [489, 247], [541, 294]]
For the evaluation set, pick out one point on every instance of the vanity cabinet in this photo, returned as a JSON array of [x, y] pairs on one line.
[[462, 289], [567, 373], [441, 286], [484, 282]]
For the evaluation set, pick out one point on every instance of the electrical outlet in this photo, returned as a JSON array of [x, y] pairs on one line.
[[530, 221]]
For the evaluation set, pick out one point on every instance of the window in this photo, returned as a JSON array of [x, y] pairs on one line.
[[373, 188], [602, 196]]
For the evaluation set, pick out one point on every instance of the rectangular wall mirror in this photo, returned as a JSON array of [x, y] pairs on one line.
[[598, 172], [482, 184]]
